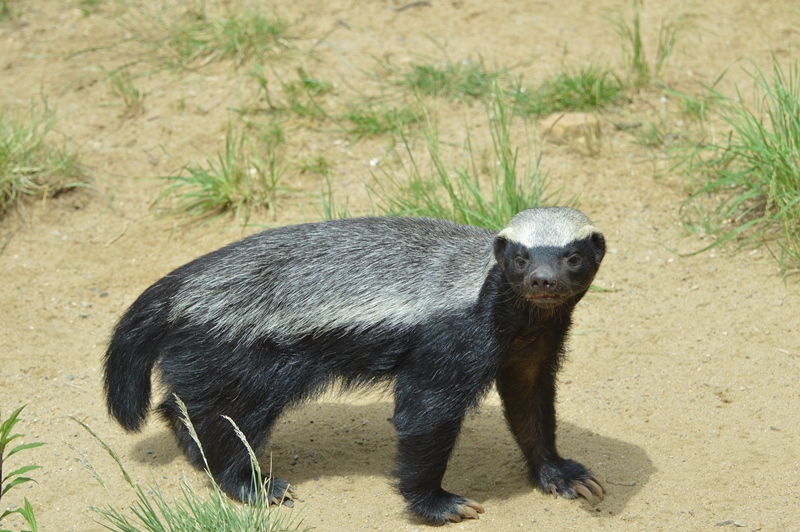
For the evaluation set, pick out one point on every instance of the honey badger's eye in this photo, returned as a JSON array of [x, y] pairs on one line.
[[574, 259], [520, 262]]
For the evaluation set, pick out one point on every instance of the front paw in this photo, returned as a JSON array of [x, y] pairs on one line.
[[569, 479], [440, 507]]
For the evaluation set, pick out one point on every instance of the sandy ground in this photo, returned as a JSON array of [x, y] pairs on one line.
[[682, 388]]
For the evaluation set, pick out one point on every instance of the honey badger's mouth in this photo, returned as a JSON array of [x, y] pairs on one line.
[[546, 300]]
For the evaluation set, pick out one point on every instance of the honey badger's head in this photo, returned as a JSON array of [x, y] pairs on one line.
[[549, 255]]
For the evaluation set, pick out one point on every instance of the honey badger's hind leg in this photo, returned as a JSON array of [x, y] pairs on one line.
[[250, 389], [227, 457]]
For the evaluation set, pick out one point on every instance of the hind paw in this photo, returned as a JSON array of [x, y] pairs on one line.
[[279, 491]]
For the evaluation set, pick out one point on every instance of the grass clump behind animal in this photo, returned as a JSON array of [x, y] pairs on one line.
[[641, 72], [243, 178], [30, 165], [16, 477], [587, 88], [194, 33], [450, 80], [154, 511], [461, 193], [747, 187], [5, 10]]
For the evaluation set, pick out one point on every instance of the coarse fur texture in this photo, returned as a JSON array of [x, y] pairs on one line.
[[440, 310]]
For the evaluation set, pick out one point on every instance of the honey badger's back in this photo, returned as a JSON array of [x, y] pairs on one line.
[[344, 275]]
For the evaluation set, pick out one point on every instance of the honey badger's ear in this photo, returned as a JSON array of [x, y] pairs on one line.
[[500, 243], [599, 246]]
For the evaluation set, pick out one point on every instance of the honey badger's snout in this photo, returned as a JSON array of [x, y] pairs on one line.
[[543, 287], [543, 281]]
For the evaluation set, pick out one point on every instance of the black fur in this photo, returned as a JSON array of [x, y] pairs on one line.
[[207, 327]]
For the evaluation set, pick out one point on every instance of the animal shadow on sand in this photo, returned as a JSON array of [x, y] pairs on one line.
[[330, 439]]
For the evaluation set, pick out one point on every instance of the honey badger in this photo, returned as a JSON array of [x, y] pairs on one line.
[[437, 309]]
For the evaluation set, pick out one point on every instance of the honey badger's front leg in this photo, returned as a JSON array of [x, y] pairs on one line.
[[526, 383], [428, 417]]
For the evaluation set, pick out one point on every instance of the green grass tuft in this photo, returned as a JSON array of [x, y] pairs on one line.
[[17, 477], [588, 88], [301, 95], [240, 180], [88, 7], [749, 185], [121, 83], [670, 28], [271, 135], [651, 135], [377, 119], [633, 53], [451, 80], [328, 207], [192, 36], [5, 10], [30, 166], [696, 107], [315, 165], [308, 84], [641, 73], [152, 511], [460, 193]]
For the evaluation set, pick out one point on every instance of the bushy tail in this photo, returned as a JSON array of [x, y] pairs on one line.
[[134, 349]]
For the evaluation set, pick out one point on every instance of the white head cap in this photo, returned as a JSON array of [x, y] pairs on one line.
[[548, 227]]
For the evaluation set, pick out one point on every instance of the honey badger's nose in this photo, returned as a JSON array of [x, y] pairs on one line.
[[543, 280]]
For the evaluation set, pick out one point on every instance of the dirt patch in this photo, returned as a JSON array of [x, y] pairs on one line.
[[683, 383]]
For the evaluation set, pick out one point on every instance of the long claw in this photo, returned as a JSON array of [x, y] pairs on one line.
[[597, 489], [455, 518], [584, 492], [476, 506], [469, 512]]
